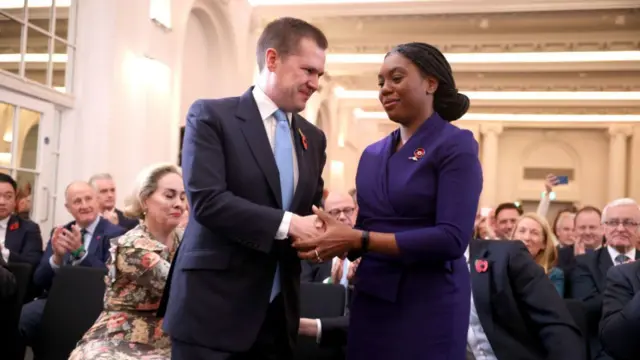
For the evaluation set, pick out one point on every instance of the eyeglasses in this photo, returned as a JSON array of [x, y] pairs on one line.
[[348, 211], [626, 223]]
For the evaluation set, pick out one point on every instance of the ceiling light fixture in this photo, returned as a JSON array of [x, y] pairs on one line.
[[573, 118], [507, 57], [341, 93]]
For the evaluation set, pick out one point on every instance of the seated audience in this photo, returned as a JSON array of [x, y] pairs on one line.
[[138, 267], [82, 242], [506, 215], [106, 189], [515, 311], [20, 239], [534, 231], [588, 279]]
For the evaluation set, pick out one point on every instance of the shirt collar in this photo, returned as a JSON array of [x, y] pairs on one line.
[[266, 106], [631, 254], [4, 222], [92, 227]]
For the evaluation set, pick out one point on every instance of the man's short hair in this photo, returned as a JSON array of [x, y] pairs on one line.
[[101, 176], [507, 206], [585, 209], [4, 178], [284, 35]]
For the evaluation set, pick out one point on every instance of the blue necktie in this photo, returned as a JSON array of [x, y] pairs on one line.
[[283, 152]]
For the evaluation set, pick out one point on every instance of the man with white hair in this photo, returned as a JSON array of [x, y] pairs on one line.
[[106, 190], [621, 300], [588, 281]]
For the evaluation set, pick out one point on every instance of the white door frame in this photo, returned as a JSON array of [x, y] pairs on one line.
[[43, 192]]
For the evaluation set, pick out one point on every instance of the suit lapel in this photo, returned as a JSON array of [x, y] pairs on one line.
[[604, 264], [255, 134], [481, 285], [303, 176], [96, 238], [12, 237]]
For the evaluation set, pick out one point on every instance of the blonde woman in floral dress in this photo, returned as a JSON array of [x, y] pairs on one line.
[[128, 328]]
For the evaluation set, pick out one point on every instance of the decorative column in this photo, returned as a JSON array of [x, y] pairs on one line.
[[618, 161], [490, 145]]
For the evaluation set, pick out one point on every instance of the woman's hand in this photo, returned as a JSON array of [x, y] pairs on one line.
[[337, 240]]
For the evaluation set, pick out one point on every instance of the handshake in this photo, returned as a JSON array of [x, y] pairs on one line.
[[320, 237]]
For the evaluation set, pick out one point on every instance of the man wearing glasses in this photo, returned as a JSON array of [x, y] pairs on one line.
[[342, 207], [621, 300], [620, 220]]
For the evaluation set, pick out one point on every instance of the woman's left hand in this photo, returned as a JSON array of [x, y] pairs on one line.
[[337, 240]]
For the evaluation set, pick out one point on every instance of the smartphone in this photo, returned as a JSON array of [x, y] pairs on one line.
[[562, 180]]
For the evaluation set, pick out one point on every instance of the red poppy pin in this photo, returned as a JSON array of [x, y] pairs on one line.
[[482, 266], [14, 226], [305, 145], [417, 154]]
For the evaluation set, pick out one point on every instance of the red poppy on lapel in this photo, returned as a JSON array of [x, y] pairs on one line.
[[481, 265], [14, 226], [305, 145]]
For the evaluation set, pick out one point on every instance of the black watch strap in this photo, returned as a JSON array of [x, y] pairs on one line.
[[364, 247]]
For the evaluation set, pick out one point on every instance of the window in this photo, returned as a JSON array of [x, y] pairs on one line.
[[36, 42]]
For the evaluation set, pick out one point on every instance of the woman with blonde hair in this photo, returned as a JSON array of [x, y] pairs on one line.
[[128, 328], [536, 234]]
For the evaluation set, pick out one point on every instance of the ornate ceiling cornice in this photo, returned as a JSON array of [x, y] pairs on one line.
[[440, 7]]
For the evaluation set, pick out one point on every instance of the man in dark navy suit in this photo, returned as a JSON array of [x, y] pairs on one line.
[[106, 190], [82, 242], [20, 239], [252, 171], [621, 311]]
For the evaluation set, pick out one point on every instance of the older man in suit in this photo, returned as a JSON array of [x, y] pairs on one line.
[[85, 241], [588, 280], [621, 298], [252, 171]]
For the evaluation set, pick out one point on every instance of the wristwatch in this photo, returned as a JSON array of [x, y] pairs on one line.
[[364, 245]]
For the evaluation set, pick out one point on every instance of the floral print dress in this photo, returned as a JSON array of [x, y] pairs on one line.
[[127, 328]]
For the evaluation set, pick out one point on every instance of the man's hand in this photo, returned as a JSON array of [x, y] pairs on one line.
[[305, 228], [549, 182], [308, 327], [70, 240], [353, 267], [59, 251], [112, 216]]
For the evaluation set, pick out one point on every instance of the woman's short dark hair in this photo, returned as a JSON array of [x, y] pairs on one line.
[[447, 102], [284, 35]]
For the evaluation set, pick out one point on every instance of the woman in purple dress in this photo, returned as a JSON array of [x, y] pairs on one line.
[[418, 192]]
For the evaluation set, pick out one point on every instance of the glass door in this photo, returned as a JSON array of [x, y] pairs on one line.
[[28, 152]]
